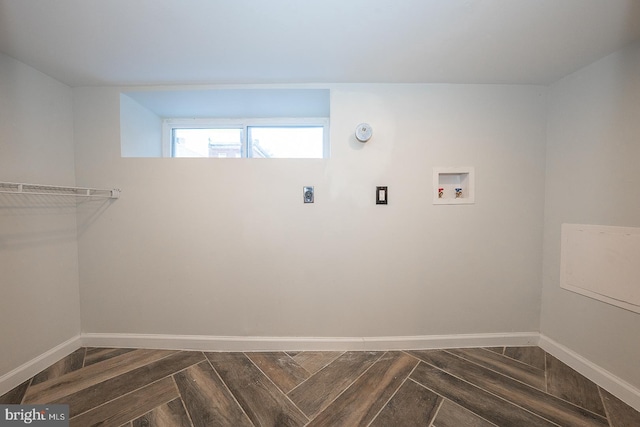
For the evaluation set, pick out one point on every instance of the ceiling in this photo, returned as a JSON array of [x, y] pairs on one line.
[[131, 42]]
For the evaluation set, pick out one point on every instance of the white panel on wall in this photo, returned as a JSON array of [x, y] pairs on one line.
[[601, 262]]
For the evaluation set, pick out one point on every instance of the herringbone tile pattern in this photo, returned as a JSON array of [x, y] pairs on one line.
[[514, 386]]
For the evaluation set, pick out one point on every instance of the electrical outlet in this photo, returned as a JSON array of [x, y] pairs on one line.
[[307, 194]]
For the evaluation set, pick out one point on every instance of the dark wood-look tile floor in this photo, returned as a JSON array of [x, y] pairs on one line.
[[513, 386]]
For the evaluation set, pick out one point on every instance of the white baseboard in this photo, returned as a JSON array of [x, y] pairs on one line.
[[605, 379], [222, 343], [22, 373], [427, 342]]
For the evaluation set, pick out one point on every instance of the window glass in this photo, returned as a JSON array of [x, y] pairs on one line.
[[286, 142], [207, 142]]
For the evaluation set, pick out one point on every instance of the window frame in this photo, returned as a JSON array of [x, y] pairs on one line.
[[168, 125]]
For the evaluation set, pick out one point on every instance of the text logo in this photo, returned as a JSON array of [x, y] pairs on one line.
[[34, 415]]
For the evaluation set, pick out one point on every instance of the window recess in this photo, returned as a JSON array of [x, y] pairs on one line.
[[241, 122]]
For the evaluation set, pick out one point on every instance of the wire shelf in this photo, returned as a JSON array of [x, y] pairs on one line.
[[55, 190]]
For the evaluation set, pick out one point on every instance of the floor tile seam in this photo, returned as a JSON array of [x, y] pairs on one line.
[[173, 378], [26, 390], [111, 357], [606, 411], [78, 371], [120, 396], [524, 365], [495, 395], [235, 399], [294, 361], [160, 404], [185, 368], [546, 374], [276, 386], [84, 357], [394, 393], [312, 375], [305, 369], [171, 353], [65, 363], [84, 353], [437, 411], [517, 361], [330, 362], [578, 406], [84, 365], [139, 388], [347, 387], [502, 349], [445, 398], [528, 385], [493, 370], [265, 374], [177, 390], [54, 370], [322, 367]]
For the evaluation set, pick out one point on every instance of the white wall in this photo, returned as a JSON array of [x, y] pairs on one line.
[[226, 246], [140, 130], [39, 301], [593, 176]]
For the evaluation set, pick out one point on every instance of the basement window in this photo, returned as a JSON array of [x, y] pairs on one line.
[[286, 123], [248, 138]]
